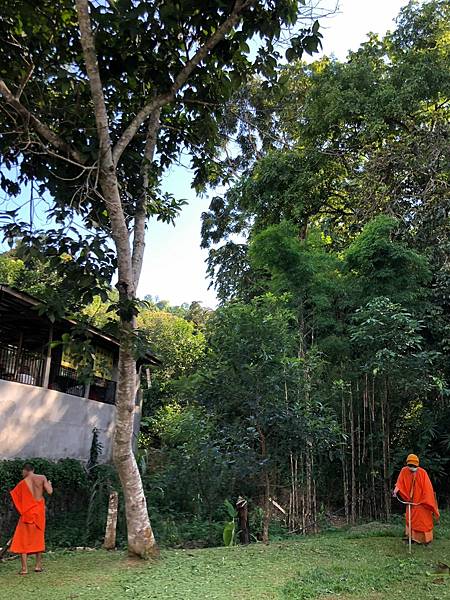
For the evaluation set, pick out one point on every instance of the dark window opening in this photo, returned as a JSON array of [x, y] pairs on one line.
[[21, 365]]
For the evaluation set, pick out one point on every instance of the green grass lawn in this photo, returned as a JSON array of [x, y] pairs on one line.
[[364, 563]]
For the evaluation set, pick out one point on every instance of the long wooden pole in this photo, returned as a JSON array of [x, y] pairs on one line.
[[409, 504], [409, 527]]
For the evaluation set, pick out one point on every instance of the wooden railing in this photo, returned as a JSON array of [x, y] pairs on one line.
[[25, 366], [21, 365]]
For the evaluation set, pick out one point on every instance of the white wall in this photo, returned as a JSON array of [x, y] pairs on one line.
[[35, 422]]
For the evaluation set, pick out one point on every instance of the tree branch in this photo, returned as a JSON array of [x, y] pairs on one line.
[[45, 132], [181, 78], [107, 171], [141, 205], [95, 83], [25, 80]]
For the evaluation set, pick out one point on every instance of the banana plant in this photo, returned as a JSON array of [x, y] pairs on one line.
[[229, 531]]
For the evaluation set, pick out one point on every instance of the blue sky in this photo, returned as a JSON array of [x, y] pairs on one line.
[[174, 267]]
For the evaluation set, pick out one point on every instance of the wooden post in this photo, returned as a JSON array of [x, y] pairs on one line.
[[18, 361], [48, 360], [111, 522], [242, 508], [138, 401]]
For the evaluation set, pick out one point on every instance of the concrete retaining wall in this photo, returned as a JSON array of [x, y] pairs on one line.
[[36, 422]]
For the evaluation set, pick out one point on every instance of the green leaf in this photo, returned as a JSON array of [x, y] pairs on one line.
[[228, 533], [230, 509], [291, 55]]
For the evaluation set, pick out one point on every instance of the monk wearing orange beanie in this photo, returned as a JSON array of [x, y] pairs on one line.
[[413, 485]]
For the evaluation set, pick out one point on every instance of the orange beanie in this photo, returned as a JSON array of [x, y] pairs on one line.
[[412, 460]]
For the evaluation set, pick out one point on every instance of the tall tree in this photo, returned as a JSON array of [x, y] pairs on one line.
[[268, 400], [179, 346], [90, 97], [339, 142]]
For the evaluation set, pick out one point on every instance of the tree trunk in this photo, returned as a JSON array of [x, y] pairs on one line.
[[353, 458], [364, 455], [385, 430], [267, 509], [315, 525], [309, 508], [293, 520], [266, 485], [359, 505], [141, 541], [302, 470], [343, 457], [371, 393]]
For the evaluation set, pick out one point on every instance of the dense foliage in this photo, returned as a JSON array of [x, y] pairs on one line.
[[342, 206]]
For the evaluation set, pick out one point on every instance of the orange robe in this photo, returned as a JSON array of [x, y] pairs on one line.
[[417, 488], [30, 531]]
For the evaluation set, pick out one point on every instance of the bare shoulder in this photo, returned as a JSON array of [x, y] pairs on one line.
[[40, 478]]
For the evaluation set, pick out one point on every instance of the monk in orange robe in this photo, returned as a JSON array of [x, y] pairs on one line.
[[413, 485], [28, 498]]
